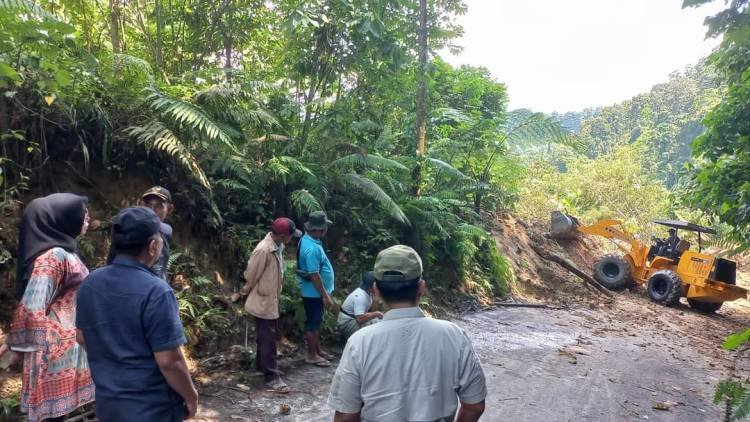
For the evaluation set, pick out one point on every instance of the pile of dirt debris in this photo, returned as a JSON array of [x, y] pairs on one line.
[[539, 280]]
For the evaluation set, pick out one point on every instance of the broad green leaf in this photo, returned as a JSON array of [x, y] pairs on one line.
[[736, 340], [9, 72]]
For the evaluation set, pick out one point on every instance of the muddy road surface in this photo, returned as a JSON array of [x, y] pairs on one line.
[[624, 361]]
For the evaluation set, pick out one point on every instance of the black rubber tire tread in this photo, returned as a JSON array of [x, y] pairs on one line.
[[707, 307], [622, 280], [674, 288]]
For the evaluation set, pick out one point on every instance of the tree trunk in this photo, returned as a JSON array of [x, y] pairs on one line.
[[549, 256], [159, 30], [421, 114], [114, 25]]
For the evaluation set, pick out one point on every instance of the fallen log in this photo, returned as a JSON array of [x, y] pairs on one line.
[[526, 305], [565, 263]]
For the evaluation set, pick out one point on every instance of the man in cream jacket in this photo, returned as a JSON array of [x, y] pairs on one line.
[[264, 278]]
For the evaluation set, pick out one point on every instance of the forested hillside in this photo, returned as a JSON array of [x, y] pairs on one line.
[[248, 110]]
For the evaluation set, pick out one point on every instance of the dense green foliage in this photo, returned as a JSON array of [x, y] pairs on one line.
[[251, 110], [720, 181]]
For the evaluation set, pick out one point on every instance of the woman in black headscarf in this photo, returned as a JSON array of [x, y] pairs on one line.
[[56, 376]]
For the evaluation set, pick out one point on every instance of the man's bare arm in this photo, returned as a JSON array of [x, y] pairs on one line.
[[346, 417], [318, 284], [79, 338], [362, 318], [174, 368], [470, 412]]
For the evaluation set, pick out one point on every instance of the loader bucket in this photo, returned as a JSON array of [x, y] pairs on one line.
[[563, 226]]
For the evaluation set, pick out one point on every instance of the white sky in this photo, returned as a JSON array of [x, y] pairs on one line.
[[569, 55]]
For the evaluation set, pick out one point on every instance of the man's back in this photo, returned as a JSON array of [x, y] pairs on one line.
[[126, 314], [407, 368]]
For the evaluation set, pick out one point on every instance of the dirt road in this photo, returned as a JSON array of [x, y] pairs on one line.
[[617, 362]]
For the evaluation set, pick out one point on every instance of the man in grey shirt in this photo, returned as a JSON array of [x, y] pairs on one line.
[[407, 367], [357, 311]]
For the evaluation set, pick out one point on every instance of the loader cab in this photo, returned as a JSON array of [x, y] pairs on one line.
[[673, 247]]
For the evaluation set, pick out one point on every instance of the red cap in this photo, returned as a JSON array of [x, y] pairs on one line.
[[285, 226]]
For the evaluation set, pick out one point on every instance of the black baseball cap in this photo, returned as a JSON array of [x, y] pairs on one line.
[[367, 280], [159, 192], [134, 226]]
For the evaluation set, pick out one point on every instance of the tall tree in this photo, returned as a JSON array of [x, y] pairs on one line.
[[421, 113]]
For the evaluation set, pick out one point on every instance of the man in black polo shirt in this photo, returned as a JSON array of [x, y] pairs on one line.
[[128, 321]]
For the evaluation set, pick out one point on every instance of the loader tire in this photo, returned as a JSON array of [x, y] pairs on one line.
[[707, 307], [613, 272], [665, 287]]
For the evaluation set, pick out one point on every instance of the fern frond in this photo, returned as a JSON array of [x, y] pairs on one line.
[[445, 168], [189, 115], [450, 116], [127, 63], [233, 185], [27, 6], [157, 136], [283, 166], [471, 230], [742, 410], [304, 202], [438, 222], [230, 100], [271, 137], [372, 190], [367, 161], [526, 130], [237, 167]]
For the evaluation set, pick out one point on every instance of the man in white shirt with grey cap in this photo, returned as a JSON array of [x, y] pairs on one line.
[[407, 367]]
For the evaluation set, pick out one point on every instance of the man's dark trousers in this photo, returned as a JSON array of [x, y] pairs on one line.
[[266, 334]]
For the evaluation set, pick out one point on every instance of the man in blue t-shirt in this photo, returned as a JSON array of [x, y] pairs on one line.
[[315, 277], [128, 321]]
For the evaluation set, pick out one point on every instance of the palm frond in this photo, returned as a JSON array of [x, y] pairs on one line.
[[372, 190], [367, 161], [157, 136], [192, 116]]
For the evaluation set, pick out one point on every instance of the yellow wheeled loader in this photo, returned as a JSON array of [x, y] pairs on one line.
[[668, 268]]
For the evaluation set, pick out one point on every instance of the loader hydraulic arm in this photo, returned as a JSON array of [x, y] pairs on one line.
[[613, 230]]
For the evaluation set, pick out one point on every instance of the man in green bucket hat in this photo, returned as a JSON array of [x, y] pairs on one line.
[[316, 282]]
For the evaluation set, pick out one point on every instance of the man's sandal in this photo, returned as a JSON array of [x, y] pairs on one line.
[[278, 386], [321, 363], [326, 355]]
